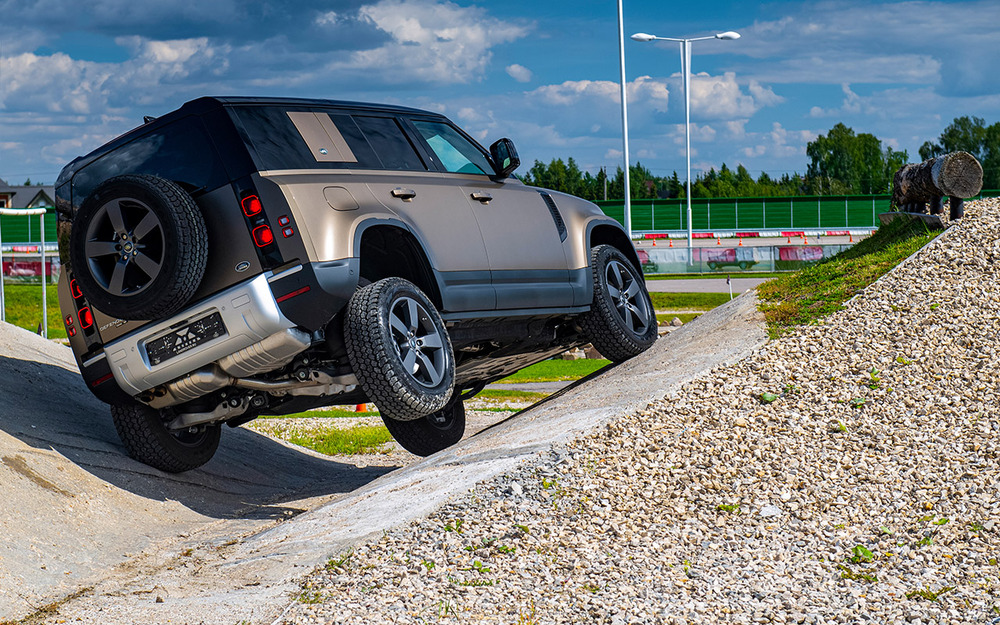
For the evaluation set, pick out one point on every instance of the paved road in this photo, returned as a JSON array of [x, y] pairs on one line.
[[703, 285]]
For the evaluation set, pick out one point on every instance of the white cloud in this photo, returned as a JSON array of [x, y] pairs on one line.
[[519, 73], [431, 41]]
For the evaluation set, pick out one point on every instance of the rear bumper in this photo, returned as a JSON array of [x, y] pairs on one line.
[[249, 313]]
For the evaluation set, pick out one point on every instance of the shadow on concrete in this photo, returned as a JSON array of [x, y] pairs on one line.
[[46, 406]]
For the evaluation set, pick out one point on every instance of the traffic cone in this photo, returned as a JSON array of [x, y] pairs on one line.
[[654, 242], [361, 408], [718, 241], [850, 238], [789, 240], [671, 242], [741, 242]]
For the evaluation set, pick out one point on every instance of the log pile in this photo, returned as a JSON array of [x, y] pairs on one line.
[[957, 175]]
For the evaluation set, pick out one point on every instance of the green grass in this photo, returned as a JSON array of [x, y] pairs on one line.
[[816, 291], [23, 303], [501, 395], [328, 413], [360, 439], [556, 371], [718, 275], [668, 317], [688, 301]]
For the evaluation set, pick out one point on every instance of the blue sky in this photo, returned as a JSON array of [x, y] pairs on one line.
[[73, 75]]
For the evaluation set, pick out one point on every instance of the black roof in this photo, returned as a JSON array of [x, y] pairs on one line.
[[206, 104]]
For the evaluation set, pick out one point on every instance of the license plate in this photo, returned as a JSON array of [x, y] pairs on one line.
[[184, 339]]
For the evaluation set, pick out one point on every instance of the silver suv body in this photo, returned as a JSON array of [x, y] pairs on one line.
[[240, 257]]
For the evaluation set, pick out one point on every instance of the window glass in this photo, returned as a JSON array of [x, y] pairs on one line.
[[181, 152], [456, 153], [390, 144]]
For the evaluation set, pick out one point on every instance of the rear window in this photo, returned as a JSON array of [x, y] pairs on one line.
[[316, 139], [181, 152]]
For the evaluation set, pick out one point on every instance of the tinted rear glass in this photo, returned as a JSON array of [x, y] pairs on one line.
[[181, 152], [376, 142], [390, 144]]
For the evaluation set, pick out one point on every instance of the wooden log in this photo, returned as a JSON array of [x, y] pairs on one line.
[[958, 175]]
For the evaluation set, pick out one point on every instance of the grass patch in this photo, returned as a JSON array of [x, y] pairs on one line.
[[327, 413], [818, 290], [718, 275], [668, 317], [360, 439], [556, 371], [500, 395], [688, 301], [23, 303]]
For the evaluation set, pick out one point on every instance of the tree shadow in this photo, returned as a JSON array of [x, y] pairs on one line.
[[47, 406]]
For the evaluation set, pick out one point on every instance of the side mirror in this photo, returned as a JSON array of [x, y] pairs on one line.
[[505, 159]]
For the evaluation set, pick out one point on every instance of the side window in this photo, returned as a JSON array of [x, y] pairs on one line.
[[386, 137], [456, 153], [181, 152]]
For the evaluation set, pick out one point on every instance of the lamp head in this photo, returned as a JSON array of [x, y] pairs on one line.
[[645, 37], [728, 35]]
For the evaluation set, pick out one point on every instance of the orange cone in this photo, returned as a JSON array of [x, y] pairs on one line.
[[850, 238], [654, 242], [671, 242], [718, 241], [789, 240], [361, 408], [741, 242]]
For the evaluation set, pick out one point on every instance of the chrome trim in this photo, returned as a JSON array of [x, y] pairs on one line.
[[90, 361], [248, 311]]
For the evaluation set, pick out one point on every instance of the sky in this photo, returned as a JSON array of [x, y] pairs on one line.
[[74, 75]]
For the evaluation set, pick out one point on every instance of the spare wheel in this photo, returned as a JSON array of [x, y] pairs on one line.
[[138, 247]]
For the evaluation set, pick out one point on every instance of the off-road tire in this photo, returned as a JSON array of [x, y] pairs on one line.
[[146, 438], [615, 335], [377, 352], [169, 249], [430, 434]]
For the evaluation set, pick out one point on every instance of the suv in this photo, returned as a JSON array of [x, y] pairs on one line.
[[241, 257]]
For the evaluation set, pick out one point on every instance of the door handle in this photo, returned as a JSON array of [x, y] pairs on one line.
[[481, 196], [403, 194]]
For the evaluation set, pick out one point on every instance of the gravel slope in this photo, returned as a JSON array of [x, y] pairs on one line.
[[867, 492]]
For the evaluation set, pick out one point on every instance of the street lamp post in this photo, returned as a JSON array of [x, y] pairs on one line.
[[686, 71]]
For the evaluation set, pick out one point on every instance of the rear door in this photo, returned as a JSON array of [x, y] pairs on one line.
[[522, 232], [434, 209]]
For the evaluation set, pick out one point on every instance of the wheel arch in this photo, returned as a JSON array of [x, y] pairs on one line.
[[389, 249], [611, 233]]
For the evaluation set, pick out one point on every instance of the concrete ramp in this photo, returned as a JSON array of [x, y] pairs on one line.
[[252, 580], [73, 506]]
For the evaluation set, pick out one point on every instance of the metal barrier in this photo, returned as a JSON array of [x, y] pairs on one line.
[[26, 212], [735, 259], [756, 214]]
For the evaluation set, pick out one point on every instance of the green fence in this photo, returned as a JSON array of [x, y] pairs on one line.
[[25, 229], [828, 212]]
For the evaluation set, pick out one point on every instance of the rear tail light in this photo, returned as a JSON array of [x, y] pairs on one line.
[[74, 289], [263, 236], [251, 205], [86, 318]]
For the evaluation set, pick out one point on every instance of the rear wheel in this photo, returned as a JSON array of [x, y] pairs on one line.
[[144, 432], [138, 247], [621, 322], [430, 434], [399, 349]]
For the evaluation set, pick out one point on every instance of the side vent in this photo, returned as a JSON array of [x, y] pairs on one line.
[[556, 217]]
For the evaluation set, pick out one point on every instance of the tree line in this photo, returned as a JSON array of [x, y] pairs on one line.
[[841, 162]]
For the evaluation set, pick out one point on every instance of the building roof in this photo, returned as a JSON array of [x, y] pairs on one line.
[[28, 196]]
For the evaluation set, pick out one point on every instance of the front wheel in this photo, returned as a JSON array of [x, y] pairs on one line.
[[144, 432], [399, 349], [621, 322], [430, 434]]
